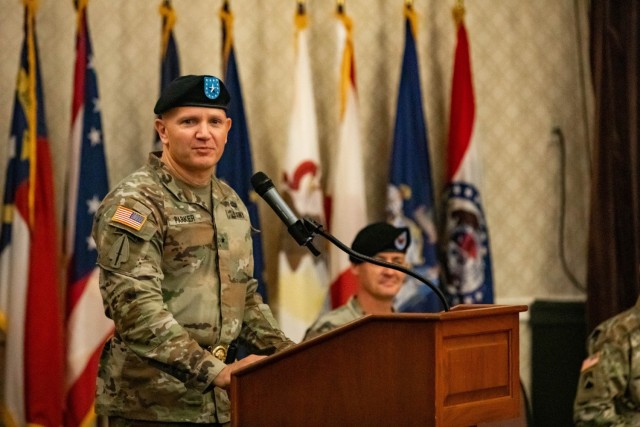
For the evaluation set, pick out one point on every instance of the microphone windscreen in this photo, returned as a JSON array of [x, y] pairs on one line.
[[261, 183]]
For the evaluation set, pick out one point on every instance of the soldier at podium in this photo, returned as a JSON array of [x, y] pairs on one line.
[[376, 285], [176, 273]]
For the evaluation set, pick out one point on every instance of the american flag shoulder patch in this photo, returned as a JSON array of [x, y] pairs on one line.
[[129, 217]]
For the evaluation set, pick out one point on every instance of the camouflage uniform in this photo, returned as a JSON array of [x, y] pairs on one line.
[[609, 386], [342, 315], [175, 282]]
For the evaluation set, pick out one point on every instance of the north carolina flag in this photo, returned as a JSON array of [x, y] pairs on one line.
[[30, 309], [410, 192], [468, 258], [302, 277], [348, 198], [169, 59], [87, 184], [236, 165]]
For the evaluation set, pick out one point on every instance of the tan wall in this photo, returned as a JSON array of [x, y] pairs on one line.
[[530, 73]]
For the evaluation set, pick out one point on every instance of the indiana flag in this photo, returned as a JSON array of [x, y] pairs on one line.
[[302, 278], [468, 258], [30, 309], [236, 165], [169, 59], [87, 184], [348, 199], [410, 192]]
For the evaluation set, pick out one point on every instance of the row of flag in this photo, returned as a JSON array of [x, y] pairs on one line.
[[52, 354]]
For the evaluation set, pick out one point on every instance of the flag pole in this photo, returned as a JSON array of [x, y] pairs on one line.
[[169, 17], [227, 21]]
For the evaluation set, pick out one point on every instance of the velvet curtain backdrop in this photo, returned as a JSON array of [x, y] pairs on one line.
[[613, 277]]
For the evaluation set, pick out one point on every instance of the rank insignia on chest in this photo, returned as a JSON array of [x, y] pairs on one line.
[[129, 217]]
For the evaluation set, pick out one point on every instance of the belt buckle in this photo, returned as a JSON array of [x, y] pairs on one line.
[[220, 352]]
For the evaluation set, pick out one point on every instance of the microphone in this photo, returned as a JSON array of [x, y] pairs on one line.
[[265, 189]]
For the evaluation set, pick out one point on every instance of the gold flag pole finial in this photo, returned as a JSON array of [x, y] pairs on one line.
[[32, 4], [458, 12], [300, 7], [169, 21], [81, 6], [411, 15], [227, 43], [300, 17]]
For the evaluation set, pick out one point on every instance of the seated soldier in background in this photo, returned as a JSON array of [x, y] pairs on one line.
[[609, 386], [377, 286]]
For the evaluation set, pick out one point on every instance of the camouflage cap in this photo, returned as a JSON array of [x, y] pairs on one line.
[[380, 237], [193, 91]]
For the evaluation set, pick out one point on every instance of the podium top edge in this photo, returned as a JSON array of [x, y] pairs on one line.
[[458, 312]]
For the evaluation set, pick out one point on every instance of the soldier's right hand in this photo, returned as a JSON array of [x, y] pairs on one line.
[[223, 379]]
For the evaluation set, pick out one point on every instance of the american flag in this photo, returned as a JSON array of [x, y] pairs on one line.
[[87, 184], [30, 312]]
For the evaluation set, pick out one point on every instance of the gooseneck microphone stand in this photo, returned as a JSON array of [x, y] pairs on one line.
[[315, 228]]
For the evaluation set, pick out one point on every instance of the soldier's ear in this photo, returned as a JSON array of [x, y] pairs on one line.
[[161, 128]]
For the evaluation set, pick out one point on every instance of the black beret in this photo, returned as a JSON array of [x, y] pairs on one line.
[[380, 237], [193, 91]]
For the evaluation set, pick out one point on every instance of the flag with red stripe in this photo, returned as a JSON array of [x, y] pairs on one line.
[[302, 277], [87, 184], [347, 188], [466, 235], [30, 311]]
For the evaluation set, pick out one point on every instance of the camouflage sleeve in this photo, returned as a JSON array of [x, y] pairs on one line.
[[603, 380], [318, 328], [130, 284], [334, 319], [260, 328]]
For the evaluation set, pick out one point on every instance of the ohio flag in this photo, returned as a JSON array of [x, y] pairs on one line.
[[347, 188], [30, 309], [468, 259], [87, 184], [410, 192], [302, 277]]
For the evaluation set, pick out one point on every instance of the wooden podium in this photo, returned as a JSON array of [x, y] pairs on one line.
[[455, 368]]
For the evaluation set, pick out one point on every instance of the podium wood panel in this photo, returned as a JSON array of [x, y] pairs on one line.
[[457, 368]]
